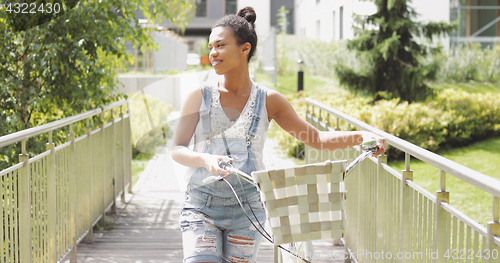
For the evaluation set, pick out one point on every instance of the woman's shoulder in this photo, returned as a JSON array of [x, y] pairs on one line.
[[273, 95], [275, 102], [268, 91], [194, 97]]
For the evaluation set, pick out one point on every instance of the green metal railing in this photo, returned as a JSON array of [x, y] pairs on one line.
[[51, 201], [392, 219]]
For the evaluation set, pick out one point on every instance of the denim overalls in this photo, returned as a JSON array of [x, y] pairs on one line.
[[214, 226]]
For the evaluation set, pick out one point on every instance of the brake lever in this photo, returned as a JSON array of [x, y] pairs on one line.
[[214, 178], [369, 147]]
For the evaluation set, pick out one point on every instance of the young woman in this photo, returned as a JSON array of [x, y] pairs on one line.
[[228, 121]]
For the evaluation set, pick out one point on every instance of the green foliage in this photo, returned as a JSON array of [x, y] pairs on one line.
[[453, 118], [387, 40], [150, 130], [470, 62], [282, 21], [55, 66]]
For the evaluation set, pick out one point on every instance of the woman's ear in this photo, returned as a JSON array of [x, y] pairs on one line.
[[246, 48]]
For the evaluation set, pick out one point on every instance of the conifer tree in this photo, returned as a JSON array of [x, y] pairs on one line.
[[394, 44]]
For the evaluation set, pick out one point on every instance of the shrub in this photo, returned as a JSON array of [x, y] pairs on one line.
[[470, 62], [453, 118], [148, 122]]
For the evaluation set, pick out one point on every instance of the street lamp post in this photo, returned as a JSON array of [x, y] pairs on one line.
[[300, 75]]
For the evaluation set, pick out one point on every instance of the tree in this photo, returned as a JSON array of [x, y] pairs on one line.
[[389, 41], [282, 19], [57, 64]]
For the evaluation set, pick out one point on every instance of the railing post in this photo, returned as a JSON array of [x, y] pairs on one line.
[[113, 157], [327, 123], [72, 192], [493, 230], [90, 234], [321, 154], [440, 226], [381, 203], [51, 201], [24, 197], [406, 208], [319, 119], [102, 221], [129, 150], [307, 112], [123, 155]]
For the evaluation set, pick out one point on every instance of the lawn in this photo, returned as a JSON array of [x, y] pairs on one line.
[[288, 84], [471, 87], [483, 157], [138, 165]]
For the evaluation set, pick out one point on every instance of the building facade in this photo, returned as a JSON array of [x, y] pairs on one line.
[[209, 11], [333, 20], [479, 21]]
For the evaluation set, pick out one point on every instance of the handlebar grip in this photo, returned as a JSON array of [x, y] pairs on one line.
[[212, 179], [223, 164]]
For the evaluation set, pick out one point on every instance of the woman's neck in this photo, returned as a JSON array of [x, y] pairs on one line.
[[238, 83]]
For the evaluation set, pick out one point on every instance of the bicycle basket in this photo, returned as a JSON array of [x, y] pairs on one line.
[[305, 202]]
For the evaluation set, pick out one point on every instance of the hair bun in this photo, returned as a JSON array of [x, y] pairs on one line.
[[248, 13]]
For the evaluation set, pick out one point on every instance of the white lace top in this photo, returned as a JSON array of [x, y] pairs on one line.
[[220, 121], [233, 129]]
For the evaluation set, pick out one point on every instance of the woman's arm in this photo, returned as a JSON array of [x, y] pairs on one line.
[[280, 109], [183, 134]]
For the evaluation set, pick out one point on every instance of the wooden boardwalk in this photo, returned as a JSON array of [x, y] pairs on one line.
[[146, 227]]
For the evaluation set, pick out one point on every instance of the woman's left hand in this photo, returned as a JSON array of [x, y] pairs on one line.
[[381, 144]]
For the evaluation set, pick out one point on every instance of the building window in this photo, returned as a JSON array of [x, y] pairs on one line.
[[333, 25], [230, 7], [318, 28], [341, 22], [201, 8]]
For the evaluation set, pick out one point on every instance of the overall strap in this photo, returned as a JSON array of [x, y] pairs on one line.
[[256, 113], [205, 111]]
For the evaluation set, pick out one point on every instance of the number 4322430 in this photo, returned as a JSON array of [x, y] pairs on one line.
[[471, 254], [33, 8]]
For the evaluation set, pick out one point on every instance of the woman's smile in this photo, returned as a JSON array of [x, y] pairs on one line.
[[216, 62]]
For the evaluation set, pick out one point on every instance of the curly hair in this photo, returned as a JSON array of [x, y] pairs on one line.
[[243, 27]]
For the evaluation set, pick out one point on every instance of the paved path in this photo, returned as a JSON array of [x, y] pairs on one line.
[[146, 225]]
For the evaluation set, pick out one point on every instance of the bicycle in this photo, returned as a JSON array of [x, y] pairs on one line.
[[301, 246]]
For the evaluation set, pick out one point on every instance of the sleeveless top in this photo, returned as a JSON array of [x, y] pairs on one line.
[[244, 139]]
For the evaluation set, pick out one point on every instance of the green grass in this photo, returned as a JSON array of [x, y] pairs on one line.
[[471, 87], [483, 157], [288, 84], [138, 165]]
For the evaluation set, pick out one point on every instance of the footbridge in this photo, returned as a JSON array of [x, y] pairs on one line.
[[53, 200]]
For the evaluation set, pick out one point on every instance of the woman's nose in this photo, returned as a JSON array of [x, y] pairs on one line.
[[213, 52]]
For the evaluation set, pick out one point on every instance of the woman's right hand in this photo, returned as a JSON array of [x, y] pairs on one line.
[[211, 163]]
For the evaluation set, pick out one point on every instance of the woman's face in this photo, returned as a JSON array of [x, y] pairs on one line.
[[225, 53]]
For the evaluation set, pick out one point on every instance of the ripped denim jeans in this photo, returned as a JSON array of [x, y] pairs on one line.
[[215, 229]]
